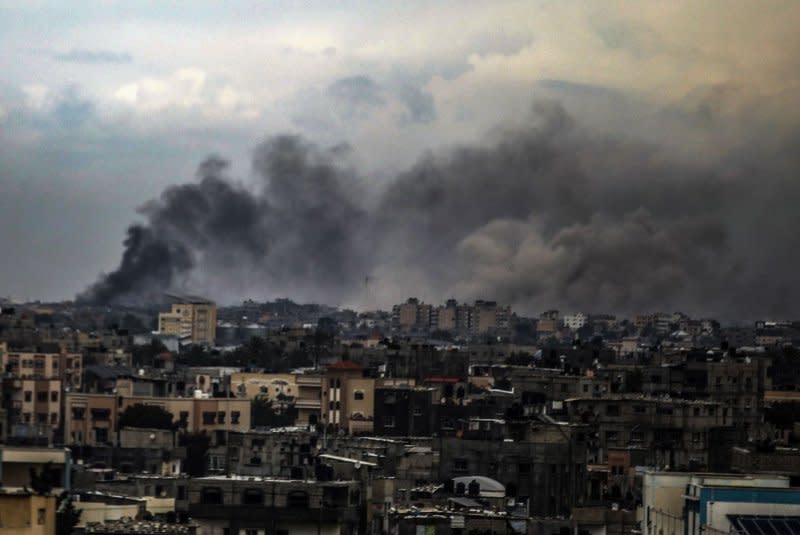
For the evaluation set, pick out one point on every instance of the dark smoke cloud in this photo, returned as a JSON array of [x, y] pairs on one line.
[[548, 214]]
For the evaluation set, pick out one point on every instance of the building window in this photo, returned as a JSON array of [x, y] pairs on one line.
[[181, 492], [612, 410], [460, 464], [611, 437], [211, 495], [297, 499], [53, 418], [388, 421], [524, 468], [78, 413], [358, 395], [101, 414], [28, 395], [252, 497], [41, 397], [40, 516], [209, 418], [235, 417], [100, 435], [54, 396], [221, 417]]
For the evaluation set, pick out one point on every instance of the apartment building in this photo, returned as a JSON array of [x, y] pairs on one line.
[[32, 383], [93, 419], [347, 397], [192, 319], [30, 363], [675, 432], [301, 390]]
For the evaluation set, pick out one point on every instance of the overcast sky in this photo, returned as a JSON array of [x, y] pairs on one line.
[[103, 104]]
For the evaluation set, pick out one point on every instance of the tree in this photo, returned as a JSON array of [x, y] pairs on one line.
[[147, 416], [67, 517], [144, 355], [264, 414]]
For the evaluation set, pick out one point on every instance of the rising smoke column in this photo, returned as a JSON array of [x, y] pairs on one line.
[[293, 229], [548, 214]]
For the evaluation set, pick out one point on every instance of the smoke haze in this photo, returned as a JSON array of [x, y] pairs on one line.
[[547, 214]]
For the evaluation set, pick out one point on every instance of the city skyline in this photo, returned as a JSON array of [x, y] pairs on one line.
[[657, 168]]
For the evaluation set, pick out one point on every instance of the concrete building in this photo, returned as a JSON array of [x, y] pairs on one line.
[[192, 319], [93, 419], [33, 383], [31, 364], [25, 513], [681, 503], [711, 501], [266, 506], [676, 432], [16, 464], [346, 396], [574, 322], [543, 467]]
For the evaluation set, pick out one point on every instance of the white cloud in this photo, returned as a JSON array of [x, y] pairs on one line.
[[38, 97]]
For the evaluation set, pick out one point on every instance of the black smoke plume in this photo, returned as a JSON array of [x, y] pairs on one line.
[[548, 214]]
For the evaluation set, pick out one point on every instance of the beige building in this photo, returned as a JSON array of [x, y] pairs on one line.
[[92, 419], [348, 398], [303, 390], [17, 462], [192, 319], [27, 514], [34, 407], [43, 365], [446, 318], [32, 389]]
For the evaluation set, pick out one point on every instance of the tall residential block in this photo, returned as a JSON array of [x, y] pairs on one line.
[[192, 319]]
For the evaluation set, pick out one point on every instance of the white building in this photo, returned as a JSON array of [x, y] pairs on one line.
[[575, 321]]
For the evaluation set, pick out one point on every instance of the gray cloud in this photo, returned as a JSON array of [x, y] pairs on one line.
[[77, 55], [356, 95], [72, 110], [420, 104], [547, 214]]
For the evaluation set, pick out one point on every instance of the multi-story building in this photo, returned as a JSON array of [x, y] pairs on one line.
[[347, 397], [26, 513], [93, 419], [489, 317], [690, 504], [574, 322], [192, 319], [35, 364], [261, 505], [542, 468], [675, 432], [302, 391], [32, 388]]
